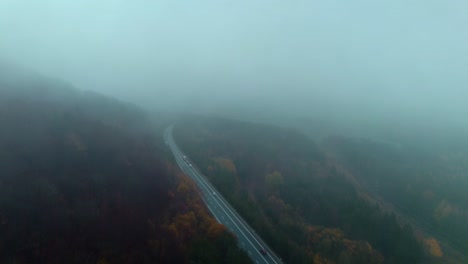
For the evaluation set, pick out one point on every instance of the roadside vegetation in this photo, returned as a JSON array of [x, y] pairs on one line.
[[295, 196]]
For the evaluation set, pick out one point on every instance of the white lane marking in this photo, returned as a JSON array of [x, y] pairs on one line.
[[181, 164], [239, 230], [213, 214], [175, 149], [235, 216]]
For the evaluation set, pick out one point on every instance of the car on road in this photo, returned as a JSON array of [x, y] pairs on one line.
[[214, 193], [263, 251], [190, 165]]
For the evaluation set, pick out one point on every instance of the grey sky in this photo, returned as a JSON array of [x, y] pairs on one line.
[[363, 55]]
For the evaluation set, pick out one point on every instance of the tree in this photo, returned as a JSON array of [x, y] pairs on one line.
[[274, 179]]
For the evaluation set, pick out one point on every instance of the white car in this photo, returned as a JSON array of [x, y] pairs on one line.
[[214, 193]]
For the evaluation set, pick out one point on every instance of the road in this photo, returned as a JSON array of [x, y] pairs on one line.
[[220, 208]]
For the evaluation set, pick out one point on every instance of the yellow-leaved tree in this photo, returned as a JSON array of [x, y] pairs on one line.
[[432, 245], [274, 179]]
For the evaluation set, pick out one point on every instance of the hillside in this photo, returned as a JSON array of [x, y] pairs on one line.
[[86, 179], [294, 195], [426, 183]]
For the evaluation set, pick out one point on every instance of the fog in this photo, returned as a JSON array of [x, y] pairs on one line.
[[357, 60]]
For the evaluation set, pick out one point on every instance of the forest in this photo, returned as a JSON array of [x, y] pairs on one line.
[[296, 196], [311, 132], [86, 179], [425, 183]]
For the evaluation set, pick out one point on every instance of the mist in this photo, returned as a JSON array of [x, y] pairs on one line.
[[356, 61], [246, 131]]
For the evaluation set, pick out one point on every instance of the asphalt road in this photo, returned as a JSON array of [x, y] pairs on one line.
[[220, 208]]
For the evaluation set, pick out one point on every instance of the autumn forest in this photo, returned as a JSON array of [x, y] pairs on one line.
[[86, 178]]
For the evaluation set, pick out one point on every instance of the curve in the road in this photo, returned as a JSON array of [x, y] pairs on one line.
[[208, 190]]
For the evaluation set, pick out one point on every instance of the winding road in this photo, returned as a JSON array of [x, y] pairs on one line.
[[224, 213]]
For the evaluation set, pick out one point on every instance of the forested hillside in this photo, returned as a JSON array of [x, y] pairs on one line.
[[294, 195], [86, 179], [428, 183]]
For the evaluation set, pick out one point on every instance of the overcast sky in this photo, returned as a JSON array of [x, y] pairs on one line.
[[362, 55]]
